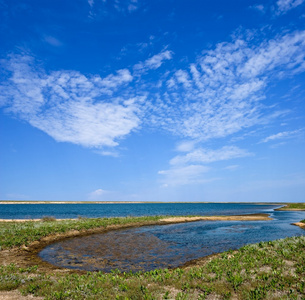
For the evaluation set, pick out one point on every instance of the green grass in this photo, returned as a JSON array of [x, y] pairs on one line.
[[270, 270], [288, 206], [267, 270], [23, 233]]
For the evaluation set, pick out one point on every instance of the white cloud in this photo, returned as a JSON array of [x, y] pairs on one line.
[[208, 156], [113, 81], [285, 5], [282, 135], [69, 106], [219, 94], [189, 168], [107, 153], [184, 175], [121, 6], [97, 194], [153, 62], [51, 40], [259, 7], [185, 146], [222, 92]]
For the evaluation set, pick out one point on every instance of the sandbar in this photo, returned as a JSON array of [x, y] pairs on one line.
[[300, 224], [178, 219]]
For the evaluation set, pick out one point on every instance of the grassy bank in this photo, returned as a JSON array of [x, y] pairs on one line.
[[270, 270], [293, 206], [23, 233]]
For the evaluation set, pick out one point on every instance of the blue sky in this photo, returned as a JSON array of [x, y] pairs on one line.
[[137, 100]]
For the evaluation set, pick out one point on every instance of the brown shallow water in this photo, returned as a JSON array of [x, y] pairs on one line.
[[169, 246], [128, 250], [123, 250]]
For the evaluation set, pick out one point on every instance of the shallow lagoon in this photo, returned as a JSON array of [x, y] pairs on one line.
[[169, 246]]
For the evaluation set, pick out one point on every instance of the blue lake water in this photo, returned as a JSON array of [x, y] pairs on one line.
[[168, 246], [66, 211]]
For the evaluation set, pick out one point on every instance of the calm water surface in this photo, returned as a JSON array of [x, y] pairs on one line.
[[169, 246], [66, 211]]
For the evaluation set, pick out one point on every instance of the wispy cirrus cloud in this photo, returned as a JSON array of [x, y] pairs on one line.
[[120, 6], [259, 7], [284, 6], [184, 175], [191, 168], [208, 156], [53, 41], [282, 135], [153, 62], [222, 92]]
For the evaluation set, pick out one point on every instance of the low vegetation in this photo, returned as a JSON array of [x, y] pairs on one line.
[[267, 270], [23, 233], [293, 206]]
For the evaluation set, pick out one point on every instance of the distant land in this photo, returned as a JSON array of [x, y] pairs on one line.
[[122, 202]]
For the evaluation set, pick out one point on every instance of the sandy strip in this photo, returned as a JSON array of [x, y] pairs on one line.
[[300, 224], [253, 217]]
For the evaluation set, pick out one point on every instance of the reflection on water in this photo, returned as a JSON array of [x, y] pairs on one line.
[[147, 248]]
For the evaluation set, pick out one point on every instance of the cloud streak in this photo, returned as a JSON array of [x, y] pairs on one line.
[[191, 174], [282, 135], [191, 168], [283, 6], [208, 156], [153, 62]]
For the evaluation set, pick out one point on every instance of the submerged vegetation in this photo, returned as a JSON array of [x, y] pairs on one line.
[[267, 270]]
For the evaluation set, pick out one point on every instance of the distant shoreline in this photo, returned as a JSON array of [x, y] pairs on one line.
[[127, 202], [74, 202]]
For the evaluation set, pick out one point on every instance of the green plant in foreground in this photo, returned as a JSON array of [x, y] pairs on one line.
[[267, 270], [270, 270]]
